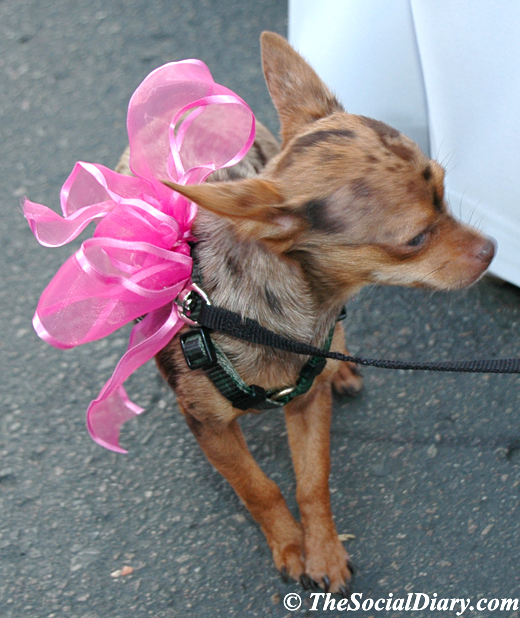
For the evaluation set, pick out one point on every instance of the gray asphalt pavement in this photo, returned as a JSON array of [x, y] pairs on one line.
[[425, 469]]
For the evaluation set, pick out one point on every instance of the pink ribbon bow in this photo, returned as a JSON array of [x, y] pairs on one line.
[[182, 126]]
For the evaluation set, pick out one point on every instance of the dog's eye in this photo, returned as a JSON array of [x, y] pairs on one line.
[[417, 240]]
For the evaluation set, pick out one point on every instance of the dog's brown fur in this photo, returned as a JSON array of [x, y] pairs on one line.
[[347, 201]]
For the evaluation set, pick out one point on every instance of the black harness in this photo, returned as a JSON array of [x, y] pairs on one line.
[[202, 353]]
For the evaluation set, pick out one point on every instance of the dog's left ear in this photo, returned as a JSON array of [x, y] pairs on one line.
[[254, 206], [298, 93]]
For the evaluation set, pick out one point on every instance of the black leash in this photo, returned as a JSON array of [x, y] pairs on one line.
[[221, 320]]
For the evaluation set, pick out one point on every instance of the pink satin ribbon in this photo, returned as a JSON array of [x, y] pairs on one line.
[[182, 126]]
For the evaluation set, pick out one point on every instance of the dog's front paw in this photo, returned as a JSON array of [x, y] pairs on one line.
[[287, 548], [289, 562], [327, 566], [347, 380]]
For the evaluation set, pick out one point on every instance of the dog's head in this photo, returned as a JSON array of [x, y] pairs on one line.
[[351, 199]]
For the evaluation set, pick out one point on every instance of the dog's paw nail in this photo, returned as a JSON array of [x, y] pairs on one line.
[[350, 567], [345, 591], [308, 583], [305, 581], [326, 583], [353, 391], [285, 575]]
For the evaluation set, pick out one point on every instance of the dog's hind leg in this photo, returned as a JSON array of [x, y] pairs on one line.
[[225, 447], [308, 426], [347, 380]]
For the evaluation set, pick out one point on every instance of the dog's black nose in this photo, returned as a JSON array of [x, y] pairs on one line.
[[487, 251]]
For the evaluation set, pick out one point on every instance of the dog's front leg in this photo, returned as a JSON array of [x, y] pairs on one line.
[[308, 426], [347, 380], [226, 449]]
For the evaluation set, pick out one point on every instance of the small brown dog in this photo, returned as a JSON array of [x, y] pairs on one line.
[[286, 239]]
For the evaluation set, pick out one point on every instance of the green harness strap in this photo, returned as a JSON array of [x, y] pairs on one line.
[[202, 353]]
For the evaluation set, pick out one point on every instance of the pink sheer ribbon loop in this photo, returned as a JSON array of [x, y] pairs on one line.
[[182, 126], [86, 185], [176, 121], [127, 276], [112, 408], [179, 128], [51, 230]]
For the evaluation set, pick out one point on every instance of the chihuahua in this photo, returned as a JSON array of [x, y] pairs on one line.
[[286, 237]]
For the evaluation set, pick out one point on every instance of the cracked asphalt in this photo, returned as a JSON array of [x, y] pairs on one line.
[[425, 469]]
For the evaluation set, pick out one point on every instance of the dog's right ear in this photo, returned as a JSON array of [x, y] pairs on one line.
[[253, 205], [298, 93]]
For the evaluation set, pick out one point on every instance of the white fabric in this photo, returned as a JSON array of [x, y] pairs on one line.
[[365, 51], [452, 66]]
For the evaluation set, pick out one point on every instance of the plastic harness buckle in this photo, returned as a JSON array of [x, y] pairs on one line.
[[198, 349], [313, 368]]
